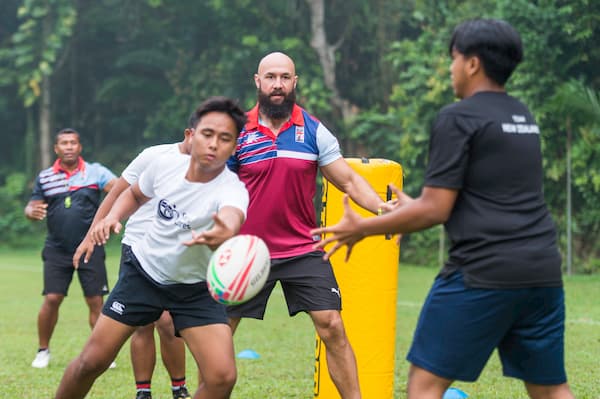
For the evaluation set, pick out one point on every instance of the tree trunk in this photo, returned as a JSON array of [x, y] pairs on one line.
[[45, 123], [569, 201], [326, 53], [30, 150], [44, 110]]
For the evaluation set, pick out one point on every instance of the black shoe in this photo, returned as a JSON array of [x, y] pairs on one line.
[[181, 393], [143, 395]]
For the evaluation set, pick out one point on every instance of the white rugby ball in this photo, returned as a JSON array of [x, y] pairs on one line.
[[238, 269]]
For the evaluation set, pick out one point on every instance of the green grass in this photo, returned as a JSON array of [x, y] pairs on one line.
[[286, 345]]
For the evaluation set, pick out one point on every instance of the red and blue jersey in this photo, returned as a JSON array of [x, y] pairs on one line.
[[72, 198], [280, 173]]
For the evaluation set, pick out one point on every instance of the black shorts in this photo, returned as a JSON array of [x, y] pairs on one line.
[[137, 300], [308, 284], [459, 328], [58, 272]]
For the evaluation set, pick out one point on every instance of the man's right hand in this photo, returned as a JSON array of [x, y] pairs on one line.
[[37, 210]]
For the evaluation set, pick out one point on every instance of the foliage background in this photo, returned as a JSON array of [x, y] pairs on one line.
[[126, 73]]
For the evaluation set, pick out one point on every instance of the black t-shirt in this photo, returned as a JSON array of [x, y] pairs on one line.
[[487, 147], [72, 199]]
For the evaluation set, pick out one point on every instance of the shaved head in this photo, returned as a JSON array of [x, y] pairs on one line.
[[276, 86], [276, 60]]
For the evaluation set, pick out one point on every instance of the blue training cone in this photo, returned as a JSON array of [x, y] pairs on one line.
[[454, 393], [248, 354]]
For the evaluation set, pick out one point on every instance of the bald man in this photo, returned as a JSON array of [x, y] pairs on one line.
[[278, 155]]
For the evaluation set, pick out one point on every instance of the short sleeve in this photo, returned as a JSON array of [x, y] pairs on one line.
[[37, 193], [104, 175], [329, 148], [448, 153], [135, 168], [147, 178], [235, 194]]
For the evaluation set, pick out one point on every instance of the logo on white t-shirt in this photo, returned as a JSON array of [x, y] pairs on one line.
[[166, 210], [169, 212]]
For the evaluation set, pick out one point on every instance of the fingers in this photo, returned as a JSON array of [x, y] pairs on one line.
[[195, 239], [76, 257], [348, 252], [394, 189], [40, 211], [398, 239], [319, 231], [205, 238], [101, 233], [334, 249]]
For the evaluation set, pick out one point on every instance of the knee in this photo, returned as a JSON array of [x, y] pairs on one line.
[[165, 329], [331, 330], [86, 366], [53, 301], [222, 379], [94, 304], [145, 332]]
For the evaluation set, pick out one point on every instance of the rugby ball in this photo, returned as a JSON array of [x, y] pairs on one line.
[[238, 269]]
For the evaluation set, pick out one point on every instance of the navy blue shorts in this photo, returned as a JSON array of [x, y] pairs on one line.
[[136, 300], [58, 272], [308, 284], [459, 327]]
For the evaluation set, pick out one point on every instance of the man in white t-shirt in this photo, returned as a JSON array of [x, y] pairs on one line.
[[142, 345], [197, 208]]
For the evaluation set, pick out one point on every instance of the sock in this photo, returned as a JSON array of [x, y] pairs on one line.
[[142, 386], [43, 349], [177, 383]]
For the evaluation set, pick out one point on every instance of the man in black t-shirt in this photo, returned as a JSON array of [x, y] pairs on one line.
[[501, 287], [67, 195]]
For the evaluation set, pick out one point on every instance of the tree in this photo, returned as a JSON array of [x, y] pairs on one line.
[[36, 46]]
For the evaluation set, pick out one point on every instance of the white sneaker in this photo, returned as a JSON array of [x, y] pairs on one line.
[[112, 365], [42, 358]]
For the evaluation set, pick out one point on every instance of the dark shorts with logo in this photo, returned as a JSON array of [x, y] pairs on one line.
[[308, 284], [58, 272], [137, 300], [459, 328]]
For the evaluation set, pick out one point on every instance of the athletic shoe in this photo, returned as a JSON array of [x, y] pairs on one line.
[[112, 365], [42, 358], [143, 395], [181, 393]]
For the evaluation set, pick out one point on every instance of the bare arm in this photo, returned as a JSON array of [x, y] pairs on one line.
[[86, 247], [108, 186], [125, 205], [228, 222], [36, 210], [345, 179], [434, 206]]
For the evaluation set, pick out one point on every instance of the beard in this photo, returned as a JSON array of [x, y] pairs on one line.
[[276, 111]]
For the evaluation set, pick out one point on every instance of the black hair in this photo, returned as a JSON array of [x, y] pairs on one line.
[[495, 42], [219, 104], [66, 130]]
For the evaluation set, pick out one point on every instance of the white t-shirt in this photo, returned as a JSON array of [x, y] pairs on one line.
[[180, 207], [140, 221]]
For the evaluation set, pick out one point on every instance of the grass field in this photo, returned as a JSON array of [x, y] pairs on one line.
[[286, 345]]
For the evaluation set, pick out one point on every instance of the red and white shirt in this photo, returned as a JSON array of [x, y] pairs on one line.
[[280, 173]]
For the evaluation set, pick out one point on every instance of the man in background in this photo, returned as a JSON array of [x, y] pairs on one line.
[[67, 195], [278, 155]]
